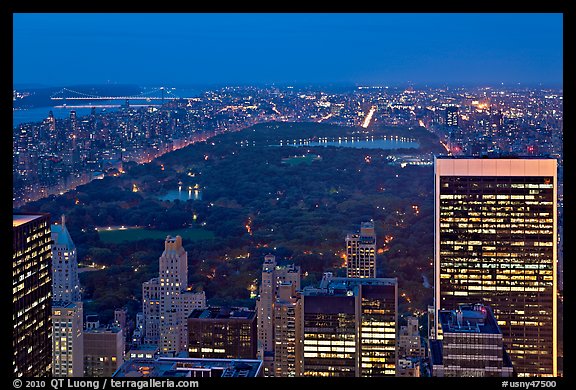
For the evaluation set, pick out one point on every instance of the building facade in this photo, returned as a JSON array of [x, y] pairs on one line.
[[496, 243], [103, 350], [350, 327], [225, 333], [67, 339], [31, 295], [361, 252]]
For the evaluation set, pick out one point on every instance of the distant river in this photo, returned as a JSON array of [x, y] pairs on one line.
[[40, 113]]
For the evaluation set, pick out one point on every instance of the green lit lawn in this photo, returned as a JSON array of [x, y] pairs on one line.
[[118, 236], [297, 160]]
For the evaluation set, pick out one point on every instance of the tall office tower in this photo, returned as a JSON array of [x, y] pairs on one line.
[[103, 350], [167, 302], [226, 333], [496, 244], [272, 276], [287, 332], [409, 341], [350, 327], [451, 118], [67, 339], [31, 295], [472, 345], [361, 252], [65, 282]]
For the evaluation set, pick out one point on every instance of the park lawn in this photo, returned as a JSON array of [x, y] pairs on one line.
[[118, 236], [297, 160]]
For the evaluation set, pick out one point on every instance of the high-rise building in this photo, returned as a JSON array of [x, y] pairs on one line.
[[409, 341], [166, 301], [361, 252], [495, 243], [31, 295], [65, 282], [67, 339], [226, 333], [288, 341], [451, 118], [350, 327], [103, 350], [273, 276], [471, 346]]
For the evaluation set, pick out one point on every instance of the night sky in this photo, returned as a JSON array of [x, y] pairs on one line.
[[366, 49]]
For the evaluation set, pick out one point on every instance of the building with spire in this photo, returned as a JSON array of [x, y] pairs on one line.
[[65, 282]]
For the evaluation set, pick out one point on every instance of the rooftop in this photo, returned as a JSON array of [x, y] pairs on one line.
[[61, 236], [231, 313], [20, 219], [347, 284], [188, 367], [65, 304], [469, 319]]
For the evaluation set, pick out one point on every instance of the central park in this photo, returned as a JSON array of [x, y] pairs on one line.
[[290, 189]]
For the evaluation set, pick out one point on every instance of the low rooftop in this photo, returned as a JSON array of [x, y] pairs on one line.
[[223, 313], [475, 318], [188, 367]]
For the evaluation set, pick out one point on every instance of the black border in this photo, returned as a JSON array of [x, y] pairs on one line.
[[550, 6]]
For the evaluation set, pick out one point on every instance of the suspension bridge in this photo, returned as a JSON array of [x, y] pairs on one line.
[[162, 94]]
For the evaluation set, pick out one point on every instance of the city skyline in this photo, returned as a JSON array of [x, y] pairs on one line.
[[248, 48]]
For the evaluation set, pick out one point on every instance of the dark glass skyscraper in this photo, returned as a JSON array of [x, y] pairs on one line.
[[496, 244], [31, 295]]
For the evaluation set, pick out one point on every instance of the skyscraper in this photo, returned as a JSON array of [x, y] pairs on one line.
[[451, 116], [361, 252], [31, 295], [67, 339], [166, 301], [65, 283], [273, 276], [471, 345], [350, 327], [288, 341], [496, 244]]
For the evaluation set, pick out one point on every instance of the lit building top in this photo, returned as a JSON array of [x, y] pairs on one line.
[[61, 235], [20, 219]]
